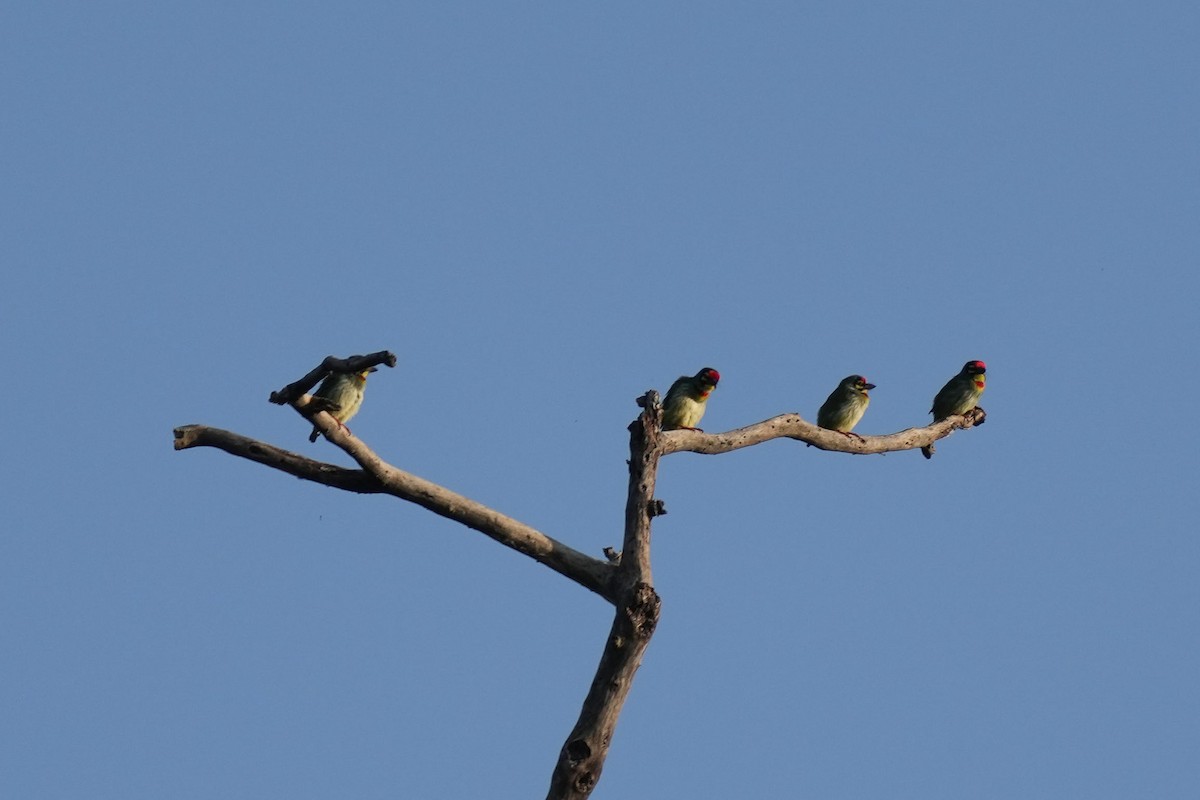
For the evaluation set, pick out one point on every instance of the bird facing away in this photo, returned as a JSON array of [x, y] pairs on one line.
[[846, 405], [344, 391], [684, 404], [960, 394]]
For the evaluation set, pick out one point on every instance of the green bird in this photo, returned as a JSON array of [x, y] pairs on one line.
[[684, 404], [846, 405], [344, 391], [960, 394]]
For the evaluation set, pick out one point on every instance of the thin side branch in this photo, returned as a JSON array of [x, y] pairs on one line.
[[382, 478], [793, 426]]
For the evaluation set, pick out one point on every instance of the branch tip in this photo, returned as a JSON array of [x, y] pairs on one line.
[[186, 436], [649, 400]]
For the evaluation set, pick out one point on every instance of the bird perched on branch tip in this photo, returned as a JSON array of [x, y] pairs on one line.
[[685, 401], [960, 394], [344, 393]]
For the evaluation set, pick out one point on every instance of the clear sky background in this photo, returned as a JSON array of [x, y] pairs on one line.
[[545, 209]]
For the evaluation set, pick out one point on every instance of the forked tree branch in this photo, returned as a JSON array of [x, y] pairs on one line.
[[625, 579], [582, 757]]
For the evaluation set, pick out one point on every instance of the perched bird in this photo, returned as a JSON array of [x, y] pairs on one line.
[[846, 405], [684, 404], [960, 394], [344, 391]]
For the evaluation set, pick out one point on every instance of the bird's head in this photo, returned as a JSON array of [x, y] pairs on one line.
[[858, 383], [708, 377], [974, 368]]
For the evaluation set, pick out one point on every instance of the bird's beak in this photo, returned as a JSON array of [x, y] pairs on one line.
[[868, 386], [372, 369]]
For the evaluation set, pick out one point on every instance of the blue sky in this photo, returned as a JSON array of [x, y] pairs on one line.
[[545, 210]]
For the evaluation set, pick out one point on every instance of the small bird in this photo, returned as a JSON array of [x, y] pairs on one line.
[[960, 394], [684, 404], [846, 405], [344, 391]]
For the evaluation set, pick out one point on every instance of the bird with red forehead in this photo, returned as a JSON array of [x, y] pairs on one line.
[[960, 394], [846, 405], [685, 401]]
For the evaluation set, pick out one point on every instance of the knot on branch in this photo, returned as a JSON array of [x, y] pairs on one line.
[[648, 424], [186, 436], [649, 400], [575, 755], [578, 750], [643, 610]]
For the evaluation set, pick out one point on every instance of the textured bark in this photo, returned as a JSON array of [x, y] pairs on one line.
[[581, 759]]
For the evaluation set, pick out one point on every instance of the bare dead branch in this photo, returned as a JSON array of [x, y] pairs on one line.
[[793, 426], [383, 478], [645, 449], [582, 757], [352, 480]]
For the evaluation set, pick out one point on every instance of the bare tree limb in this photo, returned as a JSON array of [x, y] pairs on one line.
[[352, 480], [645, 449], [582, 757], [793, 426], [383, 478]]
